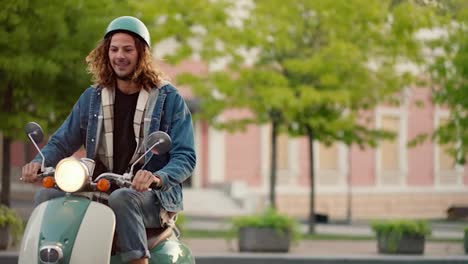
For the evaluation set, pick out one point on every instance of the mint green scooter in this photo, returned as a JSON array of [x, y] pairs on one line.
[[79, 228]]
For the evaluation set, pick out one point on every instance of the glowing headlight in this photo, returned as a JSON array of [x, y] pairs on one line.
[[70, 174]]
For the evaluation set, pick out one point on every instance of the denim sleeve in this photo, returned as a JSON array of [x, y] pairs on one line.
[[182, 154], [66, 140]]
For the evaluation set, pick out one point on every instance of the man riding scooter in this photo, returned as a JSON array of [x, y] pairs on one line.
[[128, 101]]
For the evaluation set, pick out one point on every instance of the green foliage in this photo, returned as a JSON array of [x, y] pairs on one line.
[[393, 231], [448, 71], [42, 57], [184, 20], [269, 218], [312, 68], [314, 74], [9, 218], [400, 227], [181, 222]]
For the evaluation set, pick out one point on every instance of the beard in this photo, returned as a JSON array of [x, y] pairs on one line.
[[125, 77], [122, 75]]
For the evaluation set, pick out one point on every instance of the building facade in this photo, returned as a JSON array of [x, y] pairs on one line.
[[391, 181]]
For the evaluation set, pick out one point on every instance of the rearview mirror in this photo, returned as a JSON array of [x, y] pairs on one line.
[[159, 142], [34, 131]]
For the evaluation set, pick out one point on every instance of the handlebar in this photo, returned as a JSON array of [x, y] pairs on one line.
[[121, 180], [45, 174]]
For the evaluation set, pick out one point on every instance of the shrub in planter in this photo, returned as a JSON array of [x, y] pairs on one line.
[[266, 232], [181, 223], [401, 236], [11, 227], [465, 239]]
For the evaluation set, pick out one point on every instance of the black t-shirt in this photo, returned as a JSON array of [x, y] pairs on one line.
[[124, 135]]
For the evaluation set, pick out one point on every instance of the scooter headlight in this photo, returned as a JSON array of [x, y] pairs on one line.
[[70, 174]]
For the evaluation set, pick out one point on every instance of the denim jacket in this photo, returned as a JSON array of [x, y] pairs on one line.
[[82, 126]]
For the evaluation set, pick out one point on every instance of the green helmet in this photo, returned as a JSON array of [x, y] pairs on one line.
[[129, 24]]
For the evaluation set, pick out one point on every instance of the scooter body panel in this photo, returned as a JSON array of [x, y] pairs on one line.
[[30, 242], [93, 243], [72, 229], [170, 251]]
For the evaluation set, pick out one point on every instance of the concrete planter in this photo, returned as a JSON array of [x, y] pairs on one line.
[[5, 237], [394, 243], [263, 239], [465, 241]]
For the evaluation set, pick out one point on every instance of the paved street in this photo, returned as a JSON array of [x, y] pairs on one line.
[[218, 250]]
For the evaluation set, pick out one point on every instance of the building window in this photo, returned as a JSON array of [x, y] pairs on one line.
[[446, 169], [328, 157], [328, 169], [282, 152], [390, 148], [391, 152]]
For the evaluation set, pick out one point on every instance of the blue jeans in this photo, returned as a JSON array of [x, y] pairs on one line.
[[134, 211]]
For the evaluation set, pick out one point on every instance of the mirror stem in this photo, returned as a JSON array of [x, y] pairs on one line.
[[149, 149], [38, 150]]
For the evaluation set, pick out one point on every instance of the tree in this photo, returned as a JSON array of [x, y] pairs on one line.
[[191, 26], [42, 67], [449, 72], [319, 66]]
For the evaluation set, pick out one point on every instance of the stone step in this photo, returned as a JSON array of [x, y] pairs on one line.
[[210, 203]]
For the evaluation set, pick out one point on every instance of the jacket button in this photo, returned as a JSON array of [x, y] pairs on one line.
[[92, 140]]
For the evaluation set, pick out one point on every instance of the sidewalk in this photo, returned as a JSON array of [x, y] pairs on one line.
[[219, 250], [323, 248], [442, 230], [334, 249]]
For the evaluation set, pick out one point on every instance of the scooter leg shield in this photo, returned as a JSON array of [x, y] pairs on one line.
[[68, 230], [93, 242], [30, 242]]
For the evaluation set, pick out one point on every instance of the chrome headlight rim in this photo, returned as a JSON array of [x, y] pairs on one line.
[[51, 253], [71, 174]]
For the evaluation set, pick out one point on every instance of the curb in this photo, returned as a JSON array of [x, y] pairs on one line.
[[12, 258], [268, 259]]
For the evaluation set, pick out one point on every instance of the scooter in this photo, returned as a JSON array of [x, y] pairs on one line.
[[79, 227]]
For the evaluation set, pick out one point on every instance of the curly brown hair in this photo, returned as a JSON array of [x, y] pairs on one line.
[[146, 75]]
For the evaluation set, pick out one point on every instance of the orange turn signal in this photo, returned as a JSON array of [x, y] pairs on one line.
[[48, 182], [103, 185]]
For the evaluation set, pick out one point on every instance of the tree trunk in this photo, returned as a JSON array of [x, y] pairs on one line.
[[349, 209], [310, 135], [274, 136], [7, 108], [5, 199]]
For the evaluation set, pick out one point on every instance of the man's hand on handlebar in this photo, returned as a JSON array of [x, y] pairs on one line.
[[29, 172], [144, 179]]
